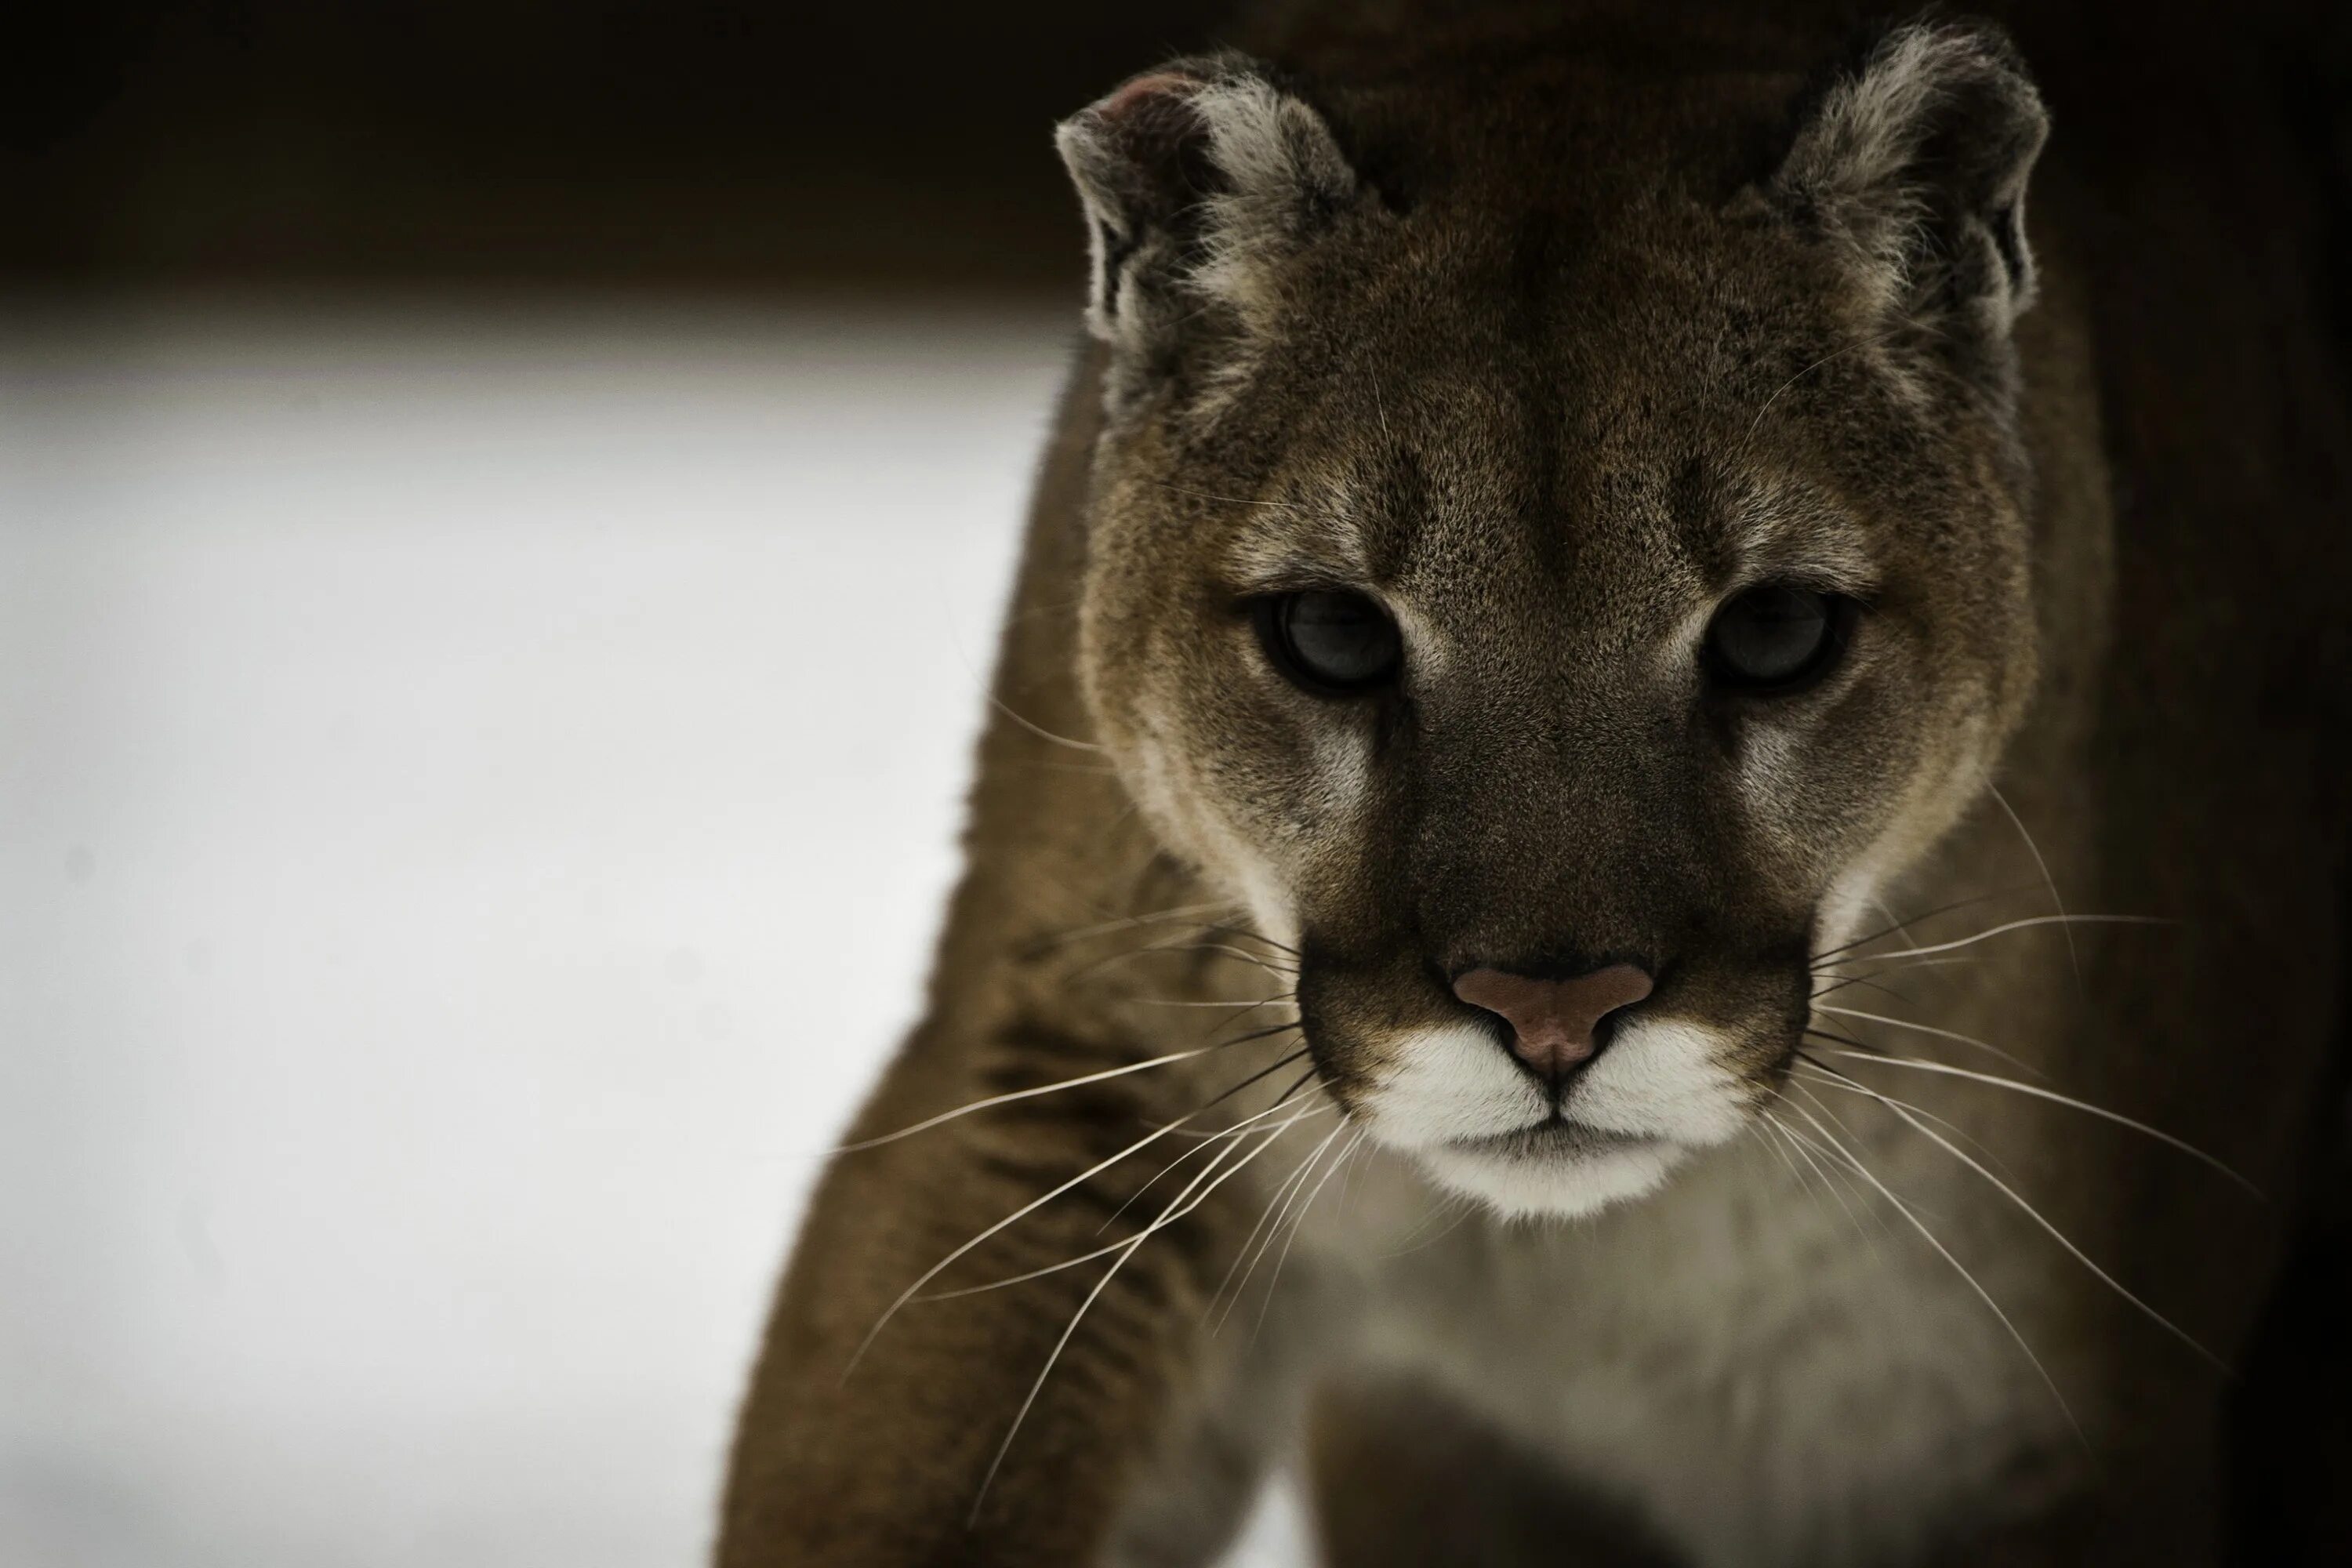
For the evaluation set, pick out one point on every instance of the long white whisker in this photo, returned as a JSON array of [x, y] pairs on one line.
[[1895, 921], [1283, 1194], [1128, 1250], [1282, 972], [2084, 1106], [1756, 1130], [1188, 913], [1929, 1029], [1982, 1294], [1949, 1126], [1918, 1110], [1273, 1281], [1229, 500], [2074, 958], [1846, 1157], [1835, 971], [1956, 1152], [2021, 925], [1040, 730], [947, 1116], [1769, 1123], [1798, 1143], [1232, 1139], [1452, 1209], [1129, 922], [933, 1272], [1206, 1140]]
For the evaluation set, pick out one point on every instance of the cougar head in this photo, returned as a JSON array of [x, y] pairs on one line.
[[1555, 550]]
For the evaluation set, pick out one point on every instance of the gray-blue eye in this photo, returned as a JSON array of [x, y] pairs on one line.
[[1776, 637], [1329, 642]]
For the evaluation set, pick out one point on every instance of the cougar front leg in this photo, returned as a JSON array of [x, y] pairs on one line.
[[881, 1431]]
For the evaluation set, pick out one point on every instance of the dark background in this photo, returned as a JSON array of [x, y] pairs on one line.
[[831, 147], [828, 148]]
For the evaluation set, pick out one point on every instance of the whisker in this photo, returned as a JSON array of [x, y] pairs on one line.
[[1865, 1047], [1843, 981], [1070, 1330], [1458, 1208], [2084, 1106], [1272, 966], [1229, 500], [1766, 407], [1280, 971], [1968, 961], [2073, 959], [1897, 924], [1757, 1129], [2021, 925], [1019, 1094], [1026, 1209], [1929, 1030], [1125, 922], [1954, 1128], [1923, 915], [1255, 1035], [1040, 730], [1982, 1294], [1273, 1281], [1206, 1140], [1266, 1071], [1798, 1143], [1171, 1213], [1840, 1080], [1296, 1084], [1297, 1175], [1245, 934], [1030, 1208], [1181, 913]]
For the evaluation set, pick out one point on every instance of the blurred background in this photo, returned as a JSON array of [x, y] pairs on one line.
[[503, 510], [503, 514]]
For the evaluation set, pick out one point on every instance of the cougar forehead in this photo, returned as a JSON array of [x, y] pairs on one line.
[[1550, 434]]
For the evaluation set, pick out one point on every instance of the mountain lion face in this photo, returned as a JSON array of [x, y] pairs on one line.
[[1557, 610]]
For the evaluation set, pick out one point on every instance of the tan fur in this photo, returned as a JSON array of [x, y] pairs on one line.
[[1552, 333]]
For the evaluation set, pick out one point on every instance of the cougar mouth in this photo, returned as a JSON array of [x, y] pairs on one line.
[[1556, 1137]]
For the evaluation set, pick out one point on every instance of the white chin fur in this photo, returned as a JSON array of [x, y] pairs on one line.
[[1522, 1187], [1660, 1080]]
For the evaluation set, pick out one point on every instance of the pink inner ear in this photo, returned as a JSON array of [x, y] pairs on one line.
[[1158, 85]]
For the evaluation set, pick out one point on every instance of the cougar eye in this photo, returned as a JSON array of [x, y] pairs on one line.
[[1776, 637], [1333, 644]]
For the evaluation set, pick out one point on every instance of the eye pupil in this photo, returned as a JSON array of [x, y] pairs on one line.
[[1773, 637], [1329, 642]]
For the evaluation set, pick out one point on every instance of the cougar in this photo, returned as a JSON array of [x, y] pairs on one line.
[[1657, 875]]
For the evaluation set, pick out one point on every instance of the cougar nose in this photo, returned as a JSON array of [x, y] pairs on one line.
[[1552, 1021]]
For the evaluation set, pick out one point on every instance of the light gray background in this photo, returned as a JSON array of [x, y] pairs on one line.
[[476, 792]]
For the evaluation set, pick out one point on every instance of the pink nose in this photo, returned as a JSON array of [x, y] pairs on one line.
[[1552, 1020]]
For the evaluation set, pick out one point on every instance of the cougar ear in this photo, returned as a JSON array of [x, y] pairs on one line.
[[1196, 179], [1917, 162]]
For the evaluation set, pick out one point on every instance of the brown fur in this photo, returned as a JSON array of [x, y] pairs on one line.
[[1527, 321]]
